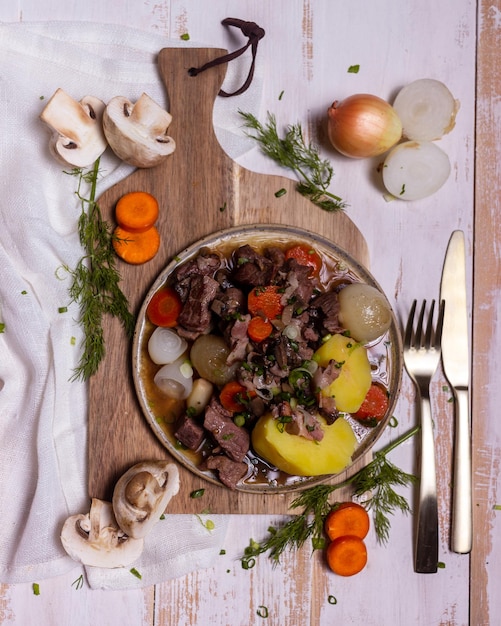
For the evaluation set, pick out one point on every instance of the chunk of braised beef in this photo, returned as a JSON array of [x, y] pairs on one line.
[[233, 439], [223, 277], [325, 308], [205, 263], [229, 472], [302, 284], [251, 267], [257, 406], [228, 302], [305, 424], [327, 408], [286, 353], [308, 332], [277, 257], [237, 338], [324, 376], [190, 432], [196, 315]]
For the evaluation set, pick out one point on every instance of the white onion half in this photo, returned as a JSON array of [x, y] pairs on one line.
[[427, 109], [165, 346], [413, 170], [175, 379]]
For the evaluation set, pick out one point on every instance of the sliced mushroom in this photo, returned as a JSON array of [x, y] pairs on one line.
[[96, 539], [137, 133], [78, 138], [141, 496]]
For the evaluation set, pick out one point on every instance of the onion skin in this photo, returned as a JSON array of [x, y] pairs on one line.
[[363, 126]]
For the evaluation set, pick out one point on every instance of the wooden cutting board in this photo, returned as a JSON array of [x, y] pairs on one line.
[[191, 187]]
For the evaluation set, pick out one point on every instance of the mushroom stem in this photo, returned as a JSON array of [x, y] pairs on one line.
[[150, 115]]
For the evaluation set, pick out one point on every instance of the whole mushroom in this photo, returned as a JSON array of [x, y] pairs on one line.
[[96, 539], [141, 496], [77, 138], [137, 133]]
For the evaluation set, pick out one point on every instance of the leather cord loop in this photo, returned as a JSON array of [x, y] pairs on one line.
[[254, 33]]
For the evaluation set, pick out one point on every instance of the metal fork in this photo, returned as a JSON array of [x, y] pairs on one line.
[[421, 358]]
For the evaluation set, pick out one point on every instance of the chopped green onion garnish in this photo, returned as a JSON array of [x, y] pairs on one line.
[[198, 493], [78, 583]]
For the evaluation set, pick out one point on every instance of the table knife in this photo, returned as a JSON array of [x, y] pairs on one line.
[[456, 365]]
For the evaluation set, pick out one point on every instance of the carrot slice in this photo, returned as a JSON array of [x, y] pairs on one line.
[[265, 302], [164, 307], [234, 397], [375, 404], [259, 329], [136, 211], [305, 255], [348, 518], [347, 555], [136, 248]]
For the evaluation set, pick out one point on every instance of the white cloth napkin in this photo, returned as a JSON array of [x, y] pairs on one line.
[[42, 414]]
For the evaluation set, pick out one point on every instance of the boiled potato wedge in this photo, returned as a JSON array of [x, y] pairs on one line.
[[299, 456], [354, 380]]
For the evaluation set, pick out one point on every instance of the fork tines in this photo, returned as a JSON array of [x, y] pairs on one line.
[[425, 336]]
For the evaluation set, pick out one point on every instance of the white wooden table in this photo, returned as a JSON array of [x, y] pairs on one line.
[[306, 52]]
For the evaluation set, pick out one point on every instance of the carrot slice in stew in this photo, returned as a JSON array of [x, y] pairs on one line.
[[136, 211], [136, 248], [265, 302], [375, 404], [234, 397], [259, 329], [347, 555], [305, 255], [348, 518], [164, 307]]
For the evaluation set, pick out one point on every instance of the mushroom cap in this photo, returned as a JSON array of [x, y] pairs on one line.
[[141, 495], [96, 539], [137, 133], [78, 138]]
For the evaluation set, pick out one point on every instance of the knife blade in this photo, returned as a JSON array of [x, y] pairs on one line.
[[456, 365]]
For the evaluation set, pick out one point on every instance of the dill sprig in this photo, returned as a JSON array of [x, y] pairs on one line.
[[374, 483], [95, 279], [291, 151]]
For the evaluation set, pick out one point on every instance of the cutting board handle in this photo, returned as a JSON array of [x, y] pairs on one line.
[[191, 98]]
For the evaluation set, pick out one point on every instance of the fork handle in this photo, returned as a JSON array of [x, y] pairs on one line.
[[461, 532], [426, 548]]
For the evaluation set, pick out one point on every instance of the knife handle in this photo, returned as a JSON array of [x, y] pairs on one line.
[[461, 532]]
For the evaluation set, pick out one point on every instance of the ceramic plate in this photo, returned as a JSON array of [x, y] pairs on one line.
[[385, 355]]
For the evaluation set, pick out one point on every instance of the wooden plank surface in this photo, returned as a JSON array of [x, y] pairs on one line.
[[191, 187], [485, 602]]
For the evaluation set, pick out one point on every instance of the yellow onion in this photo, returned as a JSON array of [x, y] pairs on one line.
[[363, 126]]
